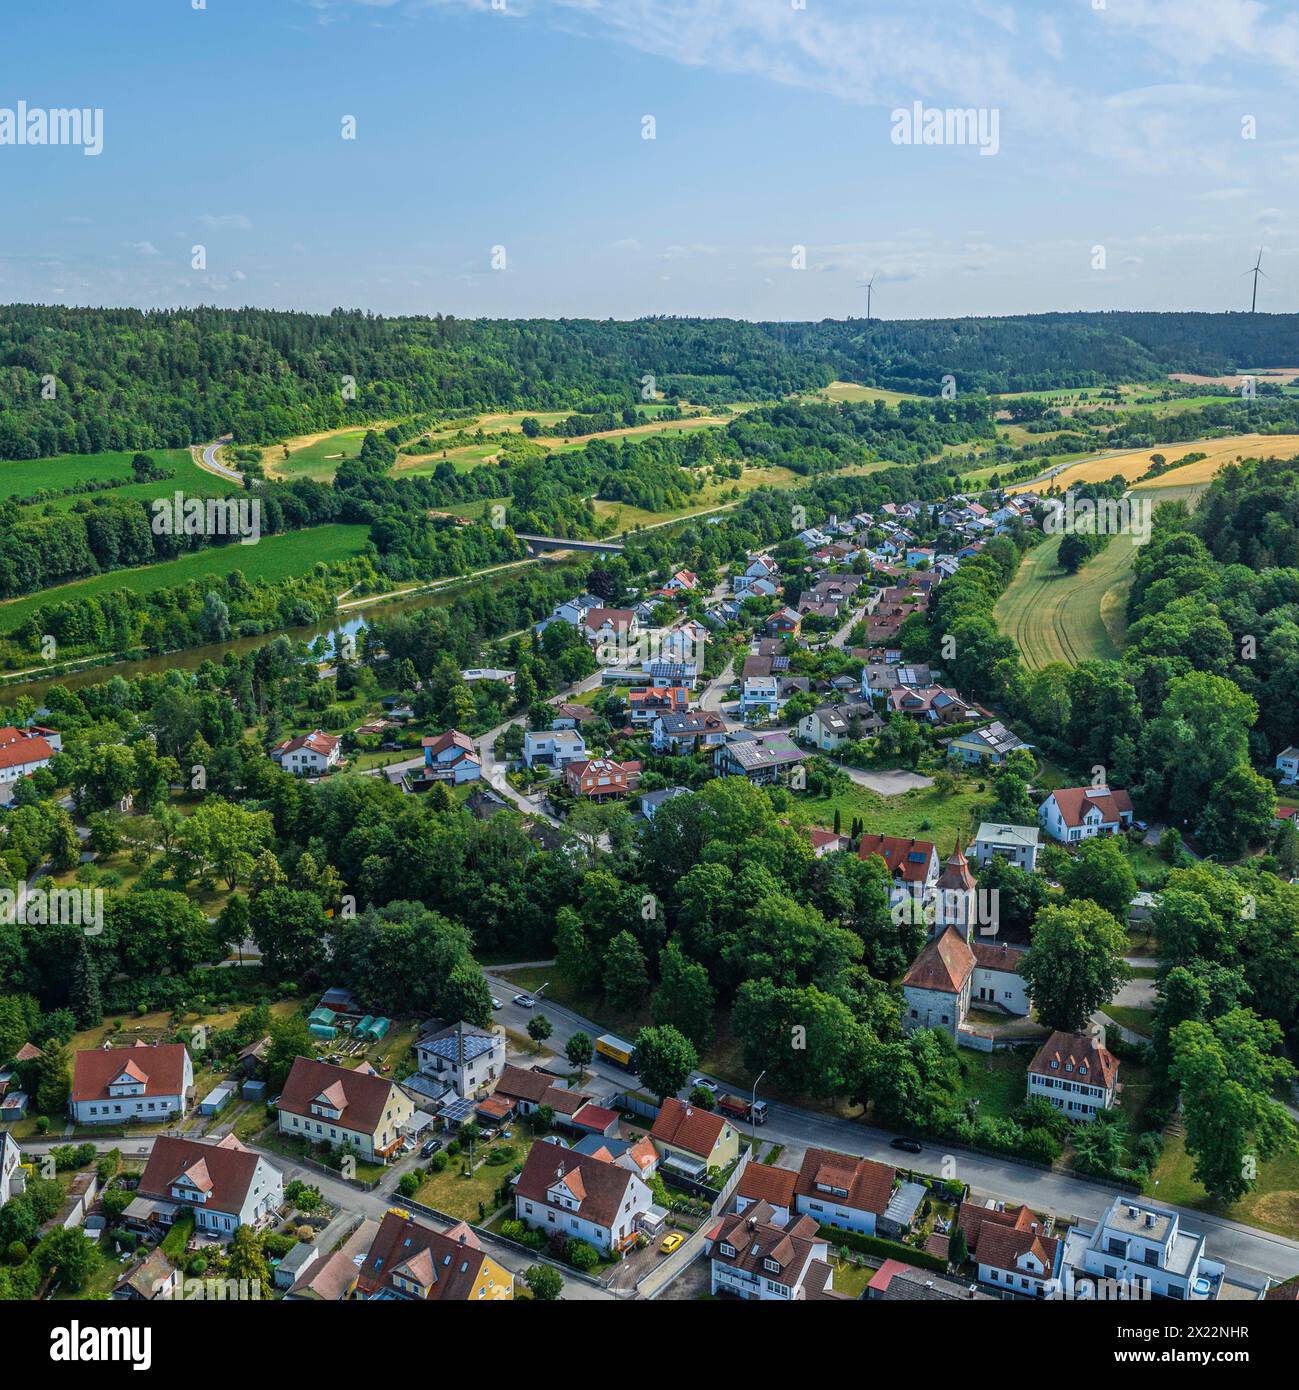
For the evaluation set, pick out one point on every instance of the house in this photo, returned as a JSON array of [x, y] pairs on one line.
[[1287, 760], [896, 1282], [764, 1182], [754, 1258], [912, 864], [646, 703], [759, 697], [681, 582], [691, 1140], [991, 744], [147, 1081], [23, 751], [1011, 1248], [950, 972], [1076, 1074], [151, 1279], [223, 1185], [759, 760], [1143, 1250], [524, 1087], [552, 747], [13, 1178], [837, 1189], [309, 755], [466, 1058], [599, 779], [452, 757], [571, 716], [410, 1262], [827, 727], [827, 841], [637, 1156], [651, 801], [610, 625], [1071, 814], [784, 622], [335, 1105], [933, 703], [333, 1277], [487, 673], [580, 1197], [1016, 844], [667, 673], [760, 567]]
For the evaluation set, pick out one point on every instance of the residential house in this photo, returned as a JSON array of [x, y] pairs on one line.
[[1287, 760], [651, 801], [12, 1174], [687, 732], [784, 622], [991, 744], [467, 1059], [646, 703], [223, 1185], [1144, 1251], [1071, 814], [760, 567], [151, 1279], [762, 761], [23, 751], [682, 582], [334, 1277], [1016, 844], [912, 864], [933, 703], [760, 697], [552, 747], [754, 1258], [667, 673], [827, 727], [452, 757], [1011, 1248], [896, 1282], [765, 1182], [309, 755], [610, 625], [949, 972], [572, 716], [879, 677], [580, 1196], [412, 1263], [325, 1104], [487, 673], [638, 1156], [840, 1190], [601, 779], [144, 1082], [693, 1140], [827, 841], [1076, 1074]]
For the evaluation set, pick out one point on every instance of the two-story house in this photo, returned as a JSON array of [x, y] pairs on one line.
[[1288, 762], [1011, 1248], [223, 1185], [687, 732], [309, 755], [144, 1082], [1077, 1074], [602, 779], [754, 1258], [23, 751], [452, 756], [411, 1263], [912, 864], [580, 1196], [692, 1140], [552, 747], [1016, 844], [468, 1059], [325, 1104], [827, 727], [1071, 814], [837, 1189]]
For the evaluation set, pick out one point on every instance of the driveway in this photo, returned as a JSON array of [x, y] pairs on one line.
[[891, 783]]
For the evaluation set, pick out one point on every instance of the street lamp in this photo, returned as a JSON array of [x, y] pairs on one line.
[[753, 1100]]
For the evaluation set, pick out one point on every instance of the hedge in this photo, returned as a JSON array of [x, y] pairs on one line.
[[888, 1249]]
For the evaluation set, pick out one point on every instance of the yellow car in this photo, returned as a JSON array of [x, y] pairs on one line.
[[669, 1243]]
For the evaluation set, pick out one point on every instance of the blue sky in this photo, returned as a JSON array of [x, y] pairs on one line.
[[521, 127]]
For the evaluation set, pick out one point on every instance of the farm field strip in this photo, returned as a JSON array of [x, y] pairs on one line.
[[272, 558], [23, 477]]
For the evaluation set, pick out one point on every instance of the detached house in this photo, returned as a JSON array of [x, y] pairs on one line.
[[580, 1196], [1071, 814], [837, 1189], [309, 755], [991, 744], [224, 1185], [552, 747], [465, 1058], [1011, 1249], [692, 1140], [1287, 760], [411, 1263], [22, 751], [827, 728], [1017, 844], [599, 779], [912, 864], [144, 1082], [452, 757], [754, 1258], [688, 731], [1076, 1074], [336, 1105]]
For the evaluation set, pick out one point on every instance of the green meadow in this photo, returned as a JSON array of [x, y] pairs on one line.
[[24, 477]]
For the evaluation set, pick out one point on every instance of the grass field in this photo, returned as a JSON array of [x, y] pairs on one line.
[[272, 558], [22, 478], [850, 391], [922, 814], [1132, 463], [1273, 1205]]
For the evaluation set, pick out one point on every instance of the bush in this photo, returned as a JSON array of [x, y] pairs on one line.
[[581, 1255], [196, 1267], [409, 1184], [502, 1154], [16, 1253], [276, 1247], [438, 1163]]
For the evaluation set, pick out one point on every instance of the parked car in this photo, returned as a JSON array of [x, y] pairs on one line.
[[496, 1003], [912, 1146], [705, 1083], [431, 1146], [670, 1242], [556, 1140], [525, 1001]]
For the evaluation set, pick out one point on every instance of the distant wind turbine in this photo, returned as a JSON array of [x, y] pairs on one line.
[[868, 286], [1256, 272]]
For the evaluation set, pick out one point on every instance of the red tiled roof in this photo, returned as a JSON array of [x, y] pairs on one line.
[[990, 956], [445, 1264], [869, 1185], [161, 1067], [27, 750], [687, 1127], [944, 965], [600, 1187], [363, 1097], [225, 1170], [521, 1083], [907, 859], [1109, 801], [763, 1182], [1074, 1050], [317, 742]]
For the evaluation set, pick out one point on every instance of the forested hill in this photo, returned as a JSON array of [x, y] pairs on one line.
[[124, 379]]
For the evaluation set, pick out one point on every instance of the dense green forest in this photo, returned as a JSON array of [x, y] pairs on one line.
[[126, 379]]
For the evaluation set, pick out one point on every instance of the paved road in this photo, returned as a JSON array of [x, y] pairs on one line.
[[1050, 1191], [209, 461]]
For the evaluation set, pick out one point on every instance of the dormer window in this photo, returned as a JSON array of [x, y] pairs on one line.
[[727, 1250], [771, 1265], [1055, 1066]]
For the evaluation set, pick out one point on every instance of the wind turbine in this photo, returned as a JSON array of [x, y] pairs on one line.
[[868, 286], [1256, 272]]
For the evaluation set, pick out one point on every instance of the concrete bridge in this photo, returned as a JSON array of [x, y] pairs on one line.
[[541, 545]]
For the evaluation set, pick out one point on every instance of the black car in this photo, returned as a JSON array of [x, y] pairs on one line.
[[912, 1146], [431, 1146]]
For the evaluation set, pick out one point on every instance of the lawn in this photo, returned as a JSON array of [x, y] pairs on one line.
[[273, 558], [921, 814], [450, 1191], [996, 1080], [1138, 1020], [851, 1278], [23, 477], [1273, 1205]]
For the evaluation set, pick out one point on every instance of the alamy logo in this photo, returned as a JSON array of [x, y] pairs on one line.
[[39, 125], [56, 907], [208, 516], [919, 124], [77, 1343]]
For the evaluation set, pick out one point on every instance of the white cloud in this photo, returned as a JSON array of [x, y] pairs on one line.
[[227, 222], [145, 248]]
